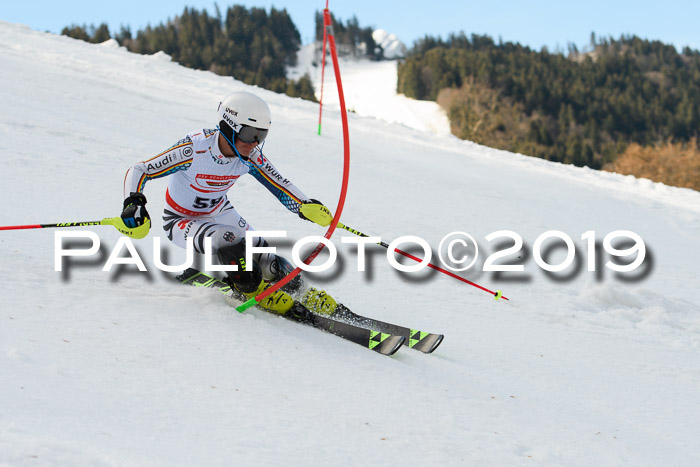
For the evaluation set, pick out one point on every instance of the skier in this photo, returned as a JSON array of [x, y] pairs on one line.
[[202, 167]]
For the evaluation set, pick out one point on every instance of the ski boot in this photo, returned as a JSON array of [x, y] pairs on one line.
[[319, 302], [278, 302]]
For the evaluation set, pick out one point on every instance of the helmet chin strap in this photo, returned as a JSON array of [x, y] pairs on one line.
[[245, 161]]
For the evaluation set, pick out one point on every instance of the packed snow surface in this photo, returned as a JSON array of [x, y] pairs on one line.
[[130, 368]]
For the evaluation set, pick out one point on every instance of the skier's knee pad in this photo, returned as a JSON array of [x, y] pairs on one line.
[[234, 255]]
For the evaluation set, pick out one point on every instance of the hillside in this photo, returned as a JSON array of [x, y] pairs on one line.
[[129, 368], [585, 112]]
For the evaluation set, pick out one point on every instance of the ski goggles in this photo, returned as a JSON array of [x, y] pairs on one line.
[[247, 134], [250, 134]]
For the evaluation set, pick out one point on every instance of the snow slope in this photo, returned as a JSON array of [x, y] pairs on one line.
[[129, 368], [370, 91]]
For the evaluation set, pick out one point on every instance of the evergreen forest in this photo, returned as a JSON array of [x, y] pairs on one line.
[[630, 105], [585, 107], [251, 45], [351, 38]]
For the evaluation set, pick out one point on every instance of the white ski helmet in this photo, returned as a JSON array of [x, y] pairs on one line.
[[246, 115]]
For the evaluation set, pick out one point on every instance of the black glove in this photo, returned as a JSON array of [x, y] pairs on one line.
[[134, 213], [316, 212]]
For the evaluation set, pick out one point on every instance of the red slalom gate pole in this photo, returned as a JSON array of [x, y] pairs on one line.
[[346, 172], [323, 72]]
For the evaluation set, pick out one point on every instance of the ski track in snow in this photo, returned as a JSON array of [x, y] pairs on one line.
[[129, 368]]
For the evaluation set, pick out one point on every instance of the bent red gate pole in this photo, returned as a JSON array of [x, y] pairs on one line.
[[346, 172], [323, 71]]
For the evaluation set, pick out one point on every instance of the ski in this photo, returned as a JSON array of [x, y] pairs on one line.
[[425, 342], [381, 342], [422, 341], [378, 341], [197, 278]]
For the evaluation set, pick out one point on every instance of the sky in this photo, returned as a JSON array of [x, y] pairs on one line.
[[535, 24]]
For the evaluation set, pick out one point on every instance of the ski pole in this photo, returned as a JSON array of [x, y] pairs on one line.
[[117, 222], [498, 294]]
